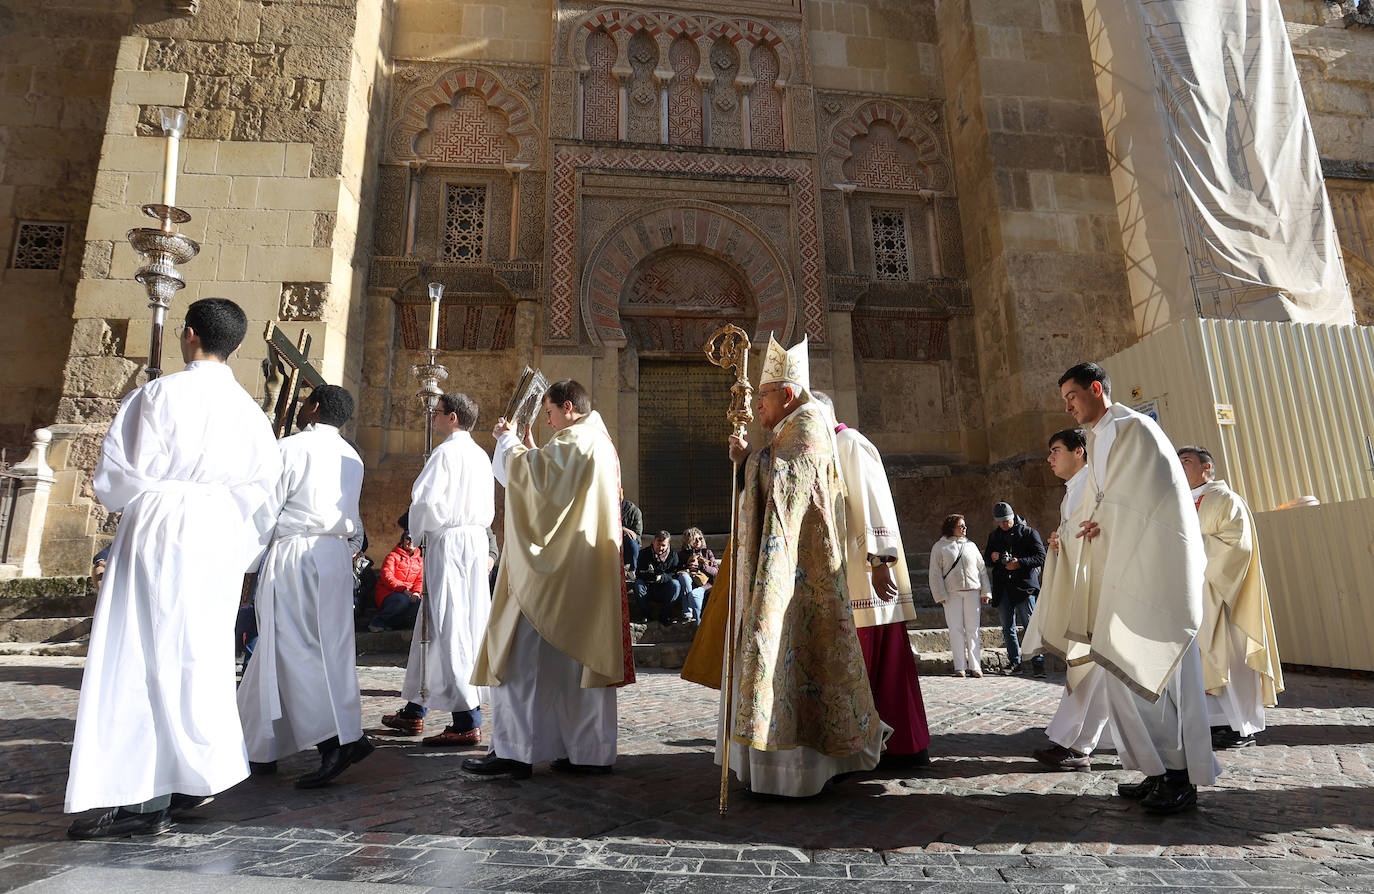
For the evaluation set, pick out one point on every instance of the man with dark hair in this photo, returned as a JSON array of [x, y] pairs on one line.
[[660, 580], [1081, 719], [451, 506], [1014, 554], [1136, 597], [1240, 658], [559, 637], [301, 689], [191, 463]]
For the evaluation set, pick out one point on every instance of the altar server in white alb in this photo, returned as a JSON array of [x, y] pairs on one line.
[[1080, 722], [301, 688], [559, 637], [451, 507], [1136, 601], [1240, 659], [190, 461]]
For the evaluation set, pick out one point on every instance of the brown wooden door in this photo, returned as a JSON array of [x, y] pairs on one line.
[[684, 464]]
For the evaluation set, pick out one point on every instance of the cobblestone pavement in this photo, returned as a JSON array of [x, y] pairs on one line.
[[1295, 813]]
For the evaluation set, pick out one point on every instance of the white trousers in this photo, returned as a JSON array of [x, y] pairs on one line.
[[542, 713], [962, 610], [1081, 719], [1241, 704], [1170, 734]]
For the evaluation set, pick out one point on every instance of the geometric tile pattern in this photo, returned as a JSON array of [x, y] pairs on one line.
[[881, 162], [561, 311], [914, 146], [600, 90], [469, 132], [465, 221], [39, 245], [765, 103], [698, 27], [519, 123], [689, 250], [891, 256], [684, 95]]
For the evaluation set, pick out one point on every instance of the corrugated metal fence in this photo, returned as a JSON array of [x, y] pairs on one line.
[[1301, 397]]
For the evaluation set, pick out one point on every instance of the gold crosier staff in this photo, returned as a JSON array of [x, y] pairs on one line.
[[728, 348]]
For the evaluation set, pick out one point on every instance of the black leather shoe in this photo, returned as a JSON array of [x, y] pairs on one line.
[[1172, 795], [262, 768], [563, 765], [1138, 791], [491, 765], [359, 749], [120, 823], [335, 761], [186, 803], [1224, 737]]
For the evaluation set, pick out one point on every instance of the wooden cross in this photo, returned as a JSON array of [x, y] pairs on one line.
[[288, 370]]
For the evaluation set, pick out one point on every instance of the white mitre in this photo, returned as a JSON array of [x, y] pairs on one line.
[[786, 366]]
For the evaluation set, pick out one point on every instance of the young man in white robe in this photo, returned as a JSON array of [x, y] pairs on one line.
[[1240, 659], [1136, 598], [1081, 719], [301, 688], [190, 461], [451, 507], [558, 641]]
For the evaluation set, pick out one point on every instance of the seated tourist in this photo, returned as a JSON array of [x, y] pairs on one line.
[[660, 583], [398, 587], [701, 566]]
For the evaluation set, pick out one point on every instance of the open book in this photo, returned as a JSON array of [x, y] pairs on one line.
[[524, 403]]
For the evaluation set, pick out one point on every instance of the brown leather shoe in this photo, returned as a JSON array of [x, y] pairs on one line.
[[404, 723], [449, 738], [1061, 758]]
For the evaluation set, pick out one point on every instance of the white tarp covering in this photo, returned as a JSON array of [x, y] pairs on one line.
[[1259, 228]]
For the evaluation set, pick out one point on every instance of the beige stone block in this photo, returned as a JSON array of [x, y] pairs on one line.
[[130, 54], [290, 263], [370, 440], [259, 159], [297, 162], [1030, 231], [152, 88], [122, 119], [247, 227], [143, 187], [113, 222], [233, 261], [203, 191], [304, 194], [259, 300], [395, 442], [198, 156], [243, 192], [123, 153], [300, 228]]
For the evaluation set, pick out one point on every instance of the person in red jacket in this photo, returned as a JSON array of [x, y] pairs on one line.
[[398, 588]]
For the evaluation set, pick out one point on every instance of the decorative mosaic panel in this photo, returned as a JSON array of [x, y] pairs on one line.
[[891, 335], [684, 95], [465, 221], [684, 279], [600, 90], [419, 99], [462, 327], [561, 315], [765, 103], [891, 255], [644, 119], [469, 132], [39, 246], [726, 113], [882, 162]]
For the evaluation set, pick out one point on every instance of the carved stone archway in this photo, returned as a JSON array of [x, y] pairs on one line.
[[699, 227]]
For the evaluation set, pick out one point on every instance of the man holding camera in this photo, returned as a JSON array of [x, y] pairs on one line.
[[1014, 556]]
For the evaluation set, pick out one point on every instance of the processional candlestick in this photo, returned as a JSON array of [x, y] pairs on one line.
[[728, 348], [429, 374], [163, 248]]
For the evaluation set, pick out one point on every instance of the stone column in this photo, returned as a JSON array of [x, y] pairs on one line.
[[30, 508]]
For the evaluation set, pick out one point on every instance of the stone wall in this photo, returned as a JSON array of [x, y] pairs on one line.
[[55, 73], [1041, 238], [882, 46]]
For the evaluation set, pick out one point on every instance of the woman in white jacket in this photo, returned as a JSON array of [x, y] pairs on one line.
[[959, 582]]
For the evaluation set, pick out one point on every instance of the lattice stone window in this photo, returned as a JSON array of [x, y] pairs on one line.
[[38, 245], [891, 256], [465, 219]]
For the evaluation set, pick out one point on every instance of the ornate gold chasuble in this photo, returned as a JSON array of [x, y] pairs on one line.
[[801, 670]]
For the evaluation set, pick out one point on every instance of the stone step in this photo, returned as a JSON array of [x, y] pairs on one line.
[[75, 649], [937, 640], [46, 597], [44, 630], [932, 617]]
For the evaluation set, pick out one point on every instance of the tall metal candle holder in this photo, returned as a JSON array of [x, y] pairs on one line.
[[163, 248], [429, 373]]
